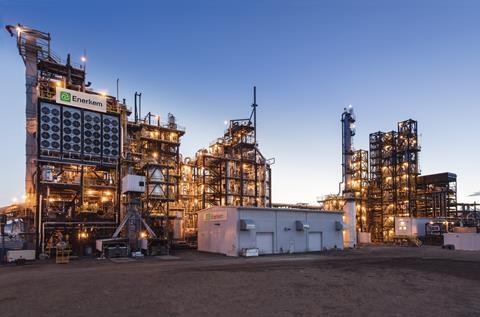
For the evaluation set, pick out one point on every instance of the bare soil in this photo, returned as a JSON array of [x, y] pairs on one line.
[[370, 281]]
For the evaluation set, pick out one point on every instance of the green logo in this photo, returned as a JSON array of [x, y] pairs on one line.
[[65, 96]]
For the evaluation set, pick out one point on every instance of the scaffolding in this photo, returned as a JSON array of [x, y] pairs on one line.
[[407, 168], [152, 150], [230, 172], [360, 186], [437, 196], [393, 178]]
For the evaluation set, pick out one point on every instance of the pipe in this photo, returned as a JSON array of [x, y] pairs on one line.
[[140, 105], [135, 105], [68, 223]]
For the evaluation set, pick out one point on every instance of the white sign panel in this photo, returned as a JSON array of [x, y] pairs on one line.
[[81, 100]]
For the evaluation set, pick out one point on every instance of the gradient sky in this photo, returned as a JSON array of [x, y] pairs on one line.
[[392, 60]]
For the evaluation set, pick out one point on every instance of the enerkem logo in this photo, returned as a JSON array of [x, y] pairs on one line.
[[65, 96], [81, 99]]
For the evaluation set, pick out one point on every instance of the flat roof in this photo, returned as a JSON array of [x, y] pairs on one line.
[[276, 209], [437, 178]]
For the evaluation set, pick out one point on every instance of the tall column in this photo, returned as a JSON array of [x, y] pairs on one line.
[[31, 83]]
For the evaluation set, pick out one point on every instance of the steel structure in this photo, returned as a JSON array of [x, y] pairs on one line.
[[360, 185], [231, 172], [393, 178], [152, 150], [72, 155], [437, 196], [354, 185]]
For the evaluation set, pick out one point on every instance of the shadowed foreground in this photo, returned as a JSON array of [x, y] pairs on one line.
[[373, 281]]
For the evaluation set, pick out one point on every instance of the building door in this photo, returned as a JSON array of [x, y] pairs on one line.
[[264, 242], [314, 241]]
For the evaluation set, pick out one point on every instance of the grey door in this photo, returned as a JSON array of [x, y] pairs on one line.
[[314, 241], [264, 242]]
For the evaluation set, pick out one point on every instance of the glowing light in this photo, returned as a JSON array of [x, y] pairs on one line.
[[58, 84], [14, 200], [103, 93], [143, 235], [83, 59]]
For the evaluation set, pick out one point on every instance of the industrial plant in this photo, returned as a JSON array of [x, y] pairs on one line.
[[104, 178]]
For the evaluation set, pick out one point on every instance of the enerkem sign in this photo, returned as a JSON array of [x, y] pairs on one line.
[[81, 100]]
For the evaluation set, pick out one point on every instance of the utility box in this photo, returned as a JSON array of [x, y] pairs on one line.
[[249, 231], [133, 184], [113, 248], [364, 237], [20, 255], [462, 241], [410, 226], [247, 224], [301, 226], [248, 253]]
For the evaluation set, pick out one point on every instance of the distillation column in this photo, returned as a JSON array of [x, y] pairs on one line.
[[348, 131]]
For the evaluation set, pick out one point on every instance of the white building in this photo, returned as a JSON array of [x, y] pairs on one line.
[[233, 230]]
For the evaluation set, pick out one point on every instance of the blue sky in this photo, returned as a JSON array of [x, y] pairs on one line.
[[392, 60]]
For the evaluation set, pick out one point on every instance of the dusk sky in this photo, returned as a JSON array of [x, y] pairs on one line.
[[392, 60]]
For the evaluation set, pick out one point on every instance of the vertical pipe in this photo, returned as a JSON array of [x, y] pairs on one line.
[[241, 176], [140, 106], [39, 241], [203, 182], [135, 105], [269, 187], [69, 71], [255, 141], [255, 114]]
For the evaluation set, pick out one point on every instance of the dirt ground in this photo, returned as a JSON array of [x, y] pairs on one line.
[[370, 281]]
